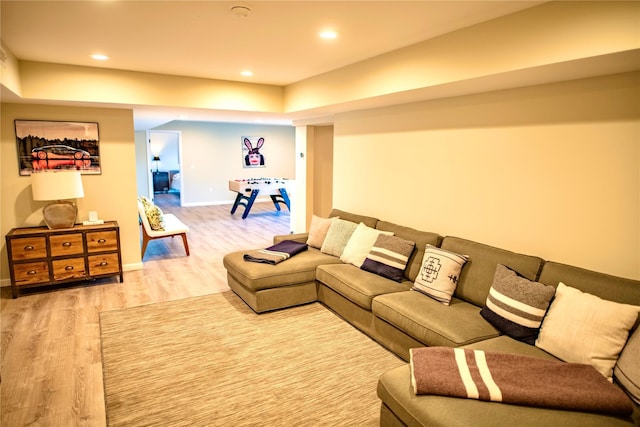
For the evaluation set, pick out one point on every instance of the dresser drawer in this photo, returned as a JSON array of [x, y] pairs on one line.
[[28, 248], [66, 244], [31, 273], [103, 264], [70, 268], [102, 241]]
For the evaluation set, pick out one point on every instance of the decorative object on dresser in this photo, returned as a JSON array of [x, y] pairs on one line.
[[39, 256], [58, 186]]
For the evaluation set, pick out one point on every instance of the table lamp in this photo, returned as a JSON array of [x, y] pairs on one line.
[[57, 186], [156, 159]]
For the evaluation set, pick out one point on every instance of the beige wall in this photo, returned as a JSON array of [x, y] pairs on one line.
[[109, 193], [552, 170]]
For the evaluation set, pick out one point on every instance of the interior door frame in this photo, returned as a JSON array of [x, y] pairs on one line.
[[150, 154]]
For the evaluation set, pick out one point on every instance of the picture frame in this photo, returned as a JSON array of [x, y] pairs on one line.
[[252, 156], [57, 145]]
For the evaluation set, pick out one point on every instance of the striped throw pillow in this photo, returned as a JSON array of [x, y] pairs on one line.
[[389, 257], [516, 306]]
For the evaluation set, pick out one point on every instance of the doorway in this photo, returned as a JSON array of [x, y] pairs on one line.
[[164, 161]]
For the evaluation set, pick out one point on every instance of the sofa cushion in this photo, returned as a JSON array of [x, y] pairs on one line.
[[439, 273], [388, 257], [433, 323], [422, 239], [516, 305], [318, 231], [257, 276], [356, 285], [338, 236], [476, 277], [360, 244], [369, 221], [612, 288], [583, 328], [627, 370]]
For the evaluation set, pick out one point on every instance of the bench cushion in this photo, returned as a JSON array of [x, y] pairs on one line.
[[358, 286], [433, 323]]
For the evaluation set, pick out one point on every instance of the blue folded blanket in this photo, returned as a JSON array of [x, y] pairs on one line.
[[276, 253]]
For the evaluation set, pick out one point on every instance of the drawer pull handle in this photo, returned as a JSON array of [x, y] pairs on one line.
[[102, 240], [103, 263], [69, 267], [32, 272], [66, 244], [29, 248]]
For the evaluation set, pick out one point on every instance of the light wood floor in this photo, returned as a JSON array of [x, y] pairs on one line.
[[51, 358]]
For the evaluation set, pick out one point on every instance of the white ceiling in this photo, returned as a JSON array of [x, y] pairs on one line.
[[278, 41]]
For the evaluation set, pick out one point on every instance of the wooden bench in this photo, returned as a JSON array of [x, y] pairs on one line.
[[172, 227]]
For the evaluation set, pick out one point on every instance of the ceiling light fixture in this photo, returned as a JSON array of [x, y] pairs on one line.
[[247, 73], [240, 11], [99, 57], [328, 34]]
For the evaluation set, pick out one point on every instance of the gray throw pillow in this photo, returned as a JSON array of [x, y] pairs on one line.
[[338, 236]]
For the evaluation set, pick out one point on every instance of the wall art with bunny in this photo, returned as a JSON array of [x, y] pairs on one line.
[[252, 156]]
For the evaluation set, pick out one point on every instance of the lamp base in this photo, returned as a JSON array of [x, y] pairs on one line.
[[60, 214]]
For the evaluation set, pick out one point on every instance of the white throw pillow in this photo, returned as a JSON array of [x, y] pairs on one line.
[[439, 273], [583, 328], [360, 243]]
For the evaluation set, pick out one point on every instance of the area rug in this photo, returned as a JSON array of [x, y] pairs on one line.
[[211, 361]]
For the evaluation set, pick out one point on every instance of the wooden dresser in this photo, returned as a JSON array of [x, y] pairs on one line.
[[39, 256]]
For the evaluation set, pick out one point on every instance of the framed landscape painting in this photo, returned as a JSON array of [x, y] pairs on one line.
[[52, 145]]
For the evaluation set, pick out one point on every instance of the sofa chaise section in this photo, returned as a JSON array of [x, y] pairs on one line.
[[401, 407], [265, 287]]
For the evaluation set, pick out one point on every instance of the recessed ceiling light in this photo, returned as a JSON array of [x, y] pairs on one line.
[[328, 34], [99, 57], [247, 73]]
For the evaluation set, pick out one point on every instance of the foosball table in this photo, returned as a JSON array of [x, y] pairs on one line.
[[249, 189]]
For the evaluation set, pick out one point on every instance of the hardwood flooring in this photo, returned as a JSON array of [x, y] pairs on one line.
[[51, 372]]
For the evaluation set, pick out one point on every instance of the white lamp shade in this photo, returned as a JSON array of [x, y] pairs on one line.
[[57, 185]]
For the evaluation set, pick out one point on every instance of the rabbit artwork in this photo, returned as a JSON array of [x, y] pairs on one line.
[[253, 157]]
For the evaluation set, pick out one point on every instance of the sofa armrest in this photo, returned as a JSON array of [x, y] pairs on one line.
[[298, 237]]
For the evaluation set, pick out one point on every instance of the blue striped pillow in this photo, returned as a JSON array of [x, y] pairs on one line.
[[516, 306], [389, 257]]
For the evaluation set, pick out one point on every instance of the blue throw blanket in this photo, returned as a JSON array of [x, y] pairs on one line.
[[276, 253]]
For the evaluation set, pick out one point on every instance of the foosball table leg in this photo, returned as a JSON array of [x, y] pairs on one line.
[[246, 201], [283, 197]]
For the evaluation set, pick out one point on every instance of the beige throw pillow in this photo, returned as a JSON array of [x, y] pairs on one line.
[[318, 230], [583, 328]]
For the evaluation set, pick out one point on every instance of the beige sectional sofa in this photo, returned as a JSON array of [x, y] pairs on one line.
[[400, 318]]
